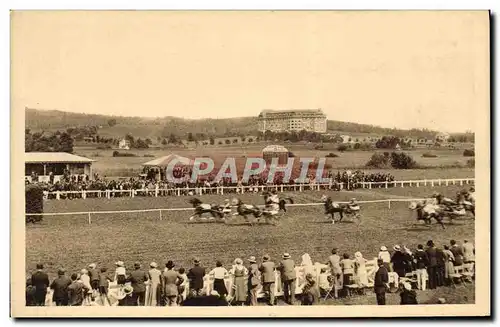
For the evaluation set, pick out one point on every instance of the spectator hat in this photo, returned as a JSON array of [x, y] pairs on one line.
[[92, 266], [61, 271], [196, 260], [266, 257], [137, 265], [84, 271], [153, 265], [238, 261], [383, 248], [397, 248], [252, 259], [170, 264], [128, 289], [120, 263], [286, 255]]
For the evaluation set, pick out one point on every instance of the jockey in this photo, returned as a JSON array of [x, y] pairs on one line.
[[272, 203], [226, 207], [353, 205]]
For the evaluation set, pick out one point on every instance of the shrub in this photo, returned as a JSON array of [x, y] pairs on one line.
[[379, 160], [469, 153], [357, 146], [429, 155], [103, 147], [123, 154], [149, 156], [250, 140], [342, 148], [332, 155], [471, 163], [228, 141], [318, 147], [402, 160]]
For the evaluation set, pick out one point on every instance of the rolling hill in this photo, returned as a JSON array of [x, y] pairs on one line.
[[118, 126]]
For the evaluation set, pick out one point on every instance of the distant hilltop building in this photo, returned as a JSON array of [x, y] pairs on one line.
[[312, 120]]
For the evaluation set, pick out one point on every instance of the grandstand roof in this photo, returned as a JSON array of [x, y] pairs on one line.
[[275, 148], [165, 160], [54, 157]]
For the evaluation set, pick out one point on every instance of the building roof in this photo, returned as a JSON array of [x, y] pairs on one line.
[[54, 157], [165, 160], [293, 112], [275, 148]]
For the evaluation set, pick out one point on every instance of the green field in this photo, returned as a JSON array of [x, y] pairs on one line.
[[447, 164], [70, 242]]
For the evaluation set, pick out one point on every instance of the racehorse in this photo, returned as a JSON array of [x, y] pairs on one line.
[[201, 208], [244, 210], [427, 212], [281, 202], [468, 201], [331, 208]]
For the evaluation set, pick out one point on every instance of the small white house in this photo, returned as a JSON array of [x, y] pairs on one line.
[[124, 145], [442, 137]]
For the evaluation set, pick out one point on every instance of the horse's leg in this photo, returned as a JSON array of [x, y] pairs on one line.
[[439, 219], [341, 213]]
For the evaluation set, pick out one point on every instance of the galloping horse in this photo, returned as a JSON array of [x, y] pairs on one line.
[[427, 212], [467, 199], [332, 207], [281, 202], [244, 210], [200, 208]]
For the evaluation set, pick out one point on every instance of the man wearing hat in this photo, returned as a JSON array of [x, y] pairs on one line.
[[154, 276], [40, 281], [254, 280], [76, 291], [138, 279], [120, 273], [94, 277], [288, 278], [398, 261], [381, 282], [195, 276], [432, 267], [267, 269], [60, 288]]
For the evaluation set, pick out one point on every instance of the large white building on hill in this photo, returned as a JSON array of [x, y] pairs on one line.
[[312, 120]]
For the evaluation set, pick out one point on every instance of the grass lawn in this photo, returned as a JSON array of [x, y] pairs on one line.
[[108, 165], [68, 241]]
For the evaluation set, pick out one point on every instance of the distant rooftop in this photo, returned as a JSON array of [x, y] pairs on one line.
[[299, 112], [54, 157]]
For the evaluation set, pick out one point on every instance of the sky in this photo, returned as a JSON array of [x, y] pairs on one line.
[[392, 69]]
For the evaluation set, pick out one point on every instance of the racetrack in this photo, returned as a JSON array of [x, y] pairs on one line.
[[68, 241]]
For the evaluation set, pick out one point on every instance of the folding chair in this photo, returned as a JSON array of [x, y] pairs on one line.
[[468, 272], [330, 290]]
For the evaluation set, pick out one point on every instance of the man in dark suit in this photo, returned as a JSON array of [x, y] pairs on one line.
[[138, 280], [60, 288], [441, 261], [76, 291], [381, 282], [40, 280], [288, 277], [195, 276], [432, 267], [267, 268]]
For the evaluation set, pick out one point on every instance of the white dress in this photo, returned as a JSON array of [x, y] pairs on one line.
[[361, 273]]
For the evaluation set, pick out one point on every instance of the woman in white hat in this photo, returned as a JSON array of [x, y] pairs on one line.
[[239, 273], [385, 256], [154, 286], [360, 267]]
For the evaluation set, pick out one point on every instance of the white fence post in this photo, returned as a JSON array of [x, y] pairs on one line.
[[389, 202], [160, 215], [90, 219]]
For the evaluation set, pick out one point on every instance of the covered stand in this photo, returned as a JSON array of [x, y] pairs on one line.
[[275, 151], [157, 168]]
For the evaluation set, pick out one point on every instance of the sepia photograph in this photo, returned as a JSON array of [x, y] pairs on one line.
[[250, 163]]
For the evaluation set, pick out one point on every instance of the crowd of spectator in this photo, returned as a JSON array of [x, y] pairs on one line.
[[147, 185], [423, 268]]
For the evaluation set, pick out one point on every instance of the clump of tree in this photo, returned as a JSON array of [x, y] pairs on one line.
[[41, 142], [123, 154], [429, 155], [332, 155], [391, 142], [469, 153], [342, 148], [471, 163], [396, 160]]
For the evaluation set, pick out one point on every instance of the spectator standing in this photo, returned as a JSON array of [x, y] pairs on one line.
[[195, 276], [94, 277], [76, 291], [440, 268], [85, 279], [336, 270], [288, 278], [104, 280], [40, 281], [469, 252], [347, 271], [120, 273], [170, 282], [432, 266], [60, 288], [448, 267], [360, 267], [239, 273], [138, 279], [219, 274], [267, 268], [182, 286], [30, 294], [421, 263], [381, 282], [457, 253], [398, 261], [386, 257], [154, 278], [254, 280]]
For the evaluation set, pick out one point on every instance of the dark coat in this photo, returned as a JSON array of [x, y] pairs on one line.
[[195, 276], [137, 280], [431, 254], [458, 253], [60, 287], [399, 263], [381, 279], [76, 293], [40, 280], [408, 297], [421, 260], [440, 258]]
